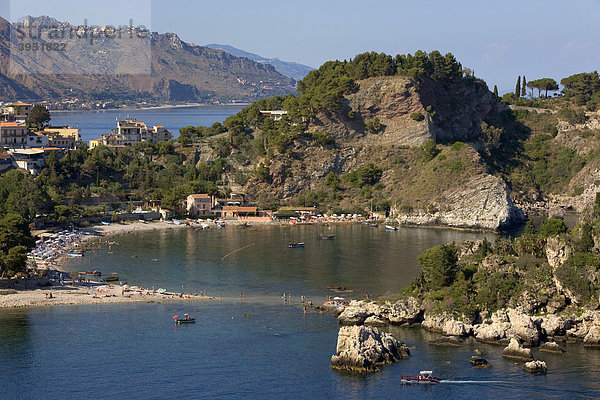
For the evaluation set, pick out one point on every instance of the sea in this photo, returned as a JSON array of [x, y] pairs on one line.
[[92, 124], [253, 344]]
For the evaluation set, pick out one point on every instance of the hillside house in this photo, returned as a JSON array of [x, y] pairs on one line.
[[275, 115], [199, 204], [13, 134], [131, 131]]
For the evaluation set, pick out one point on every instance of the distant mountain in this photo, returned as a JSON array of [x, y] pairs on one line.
[[128, 65], [291, 69]]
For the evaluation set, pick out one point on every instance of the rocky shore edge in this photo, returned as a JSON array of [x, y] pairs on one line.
[[498, 327]]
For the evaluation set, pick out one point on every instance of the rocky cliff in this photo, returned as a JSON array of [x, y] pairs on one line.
[[387, 123], [482, 202]]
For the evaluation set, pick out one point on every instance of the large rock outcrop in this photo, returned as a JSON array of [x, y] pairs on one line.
[[515, 350], [366, 349], [481, 203], [405, 311], [446, 324]]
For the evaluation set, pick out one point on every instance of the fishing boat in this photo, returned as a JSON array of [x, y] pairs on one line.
[[391, 228], [423, 377], [185, 320], [326, 237], [112, 278], [94, 272], [295, 245]]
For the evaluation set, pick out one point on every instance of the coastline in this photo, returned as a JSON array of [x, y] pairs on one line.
[[162, 107], [82, 294]]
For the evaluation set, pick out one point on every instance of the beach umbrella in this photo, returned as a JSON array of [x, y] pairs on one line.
[[175, 316]]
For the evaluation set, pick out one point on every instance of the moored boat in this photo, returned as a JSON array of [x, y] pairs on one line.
[[423, 377], [94, 272], [75, 254], [391, 228], [295, 245], [326, 237], [112, 278], [185, 320]]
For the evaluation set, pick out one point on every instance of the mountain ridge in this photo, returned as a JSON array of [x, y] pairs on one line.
[[292, 69], [159, 67]]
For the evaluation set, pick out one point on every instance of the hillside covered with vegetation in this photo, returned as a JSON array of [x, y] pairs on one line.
[[378, 132]]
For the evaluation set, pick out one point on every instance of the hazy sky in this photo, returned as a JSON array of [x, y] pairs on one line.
[[499, 40]]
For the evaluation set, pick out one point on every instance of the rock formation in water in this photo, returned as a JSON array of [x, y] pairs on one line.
[[516, 350], [365, 349], [552, 347], [535, 367]]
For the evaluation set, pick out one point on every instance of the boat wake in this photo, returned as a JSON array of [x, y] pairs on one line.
[[450, 381]]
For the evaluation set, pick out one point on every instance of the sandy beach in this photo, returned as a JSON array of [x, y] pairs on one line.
[[89, 294]]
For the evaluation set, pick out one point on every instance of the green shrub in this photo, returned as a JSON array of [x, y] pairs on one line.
[[429, 151], [572, 116], [456, 146], [322, 138], [417, 116], [373, 125], [553, 227], [574, 273], [438, 267]]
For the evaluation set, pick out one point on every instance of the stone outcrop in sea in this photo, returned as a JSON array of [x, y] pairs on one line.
[[365, 349], [498, 327], [516, 350], [535, 367]]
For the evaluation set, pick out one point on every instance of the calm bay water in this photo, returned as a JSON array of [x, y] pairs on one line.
[[92, 124], [134, 351]]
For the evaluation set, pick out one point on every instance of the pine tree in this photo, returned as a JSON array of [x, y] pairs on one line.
[[496, 91], [524, 87], [518, 87]]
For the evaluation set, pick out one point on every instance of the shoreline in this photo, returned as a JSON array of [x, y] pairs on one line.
[[162, 107]]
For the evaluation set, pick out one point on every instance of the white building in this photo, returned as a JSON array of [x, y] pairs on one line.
[[37, 140], [275, 115], [129, 132]]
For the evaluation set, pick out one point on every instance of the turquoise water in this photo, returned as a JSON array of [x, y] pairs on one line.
[[135, 351], [92, 124]]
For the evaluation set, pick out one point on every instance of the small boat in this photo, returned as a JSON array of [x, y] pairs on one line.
[[326, 237], [423, 377], [112, 278], [295, 245], [94, 272], [391, 228], [105, 223], [373, 224], [75, 254], [186, 320]]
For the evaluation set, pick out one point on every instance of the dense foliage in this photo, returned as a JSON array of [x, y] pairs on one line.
[[489, 277]]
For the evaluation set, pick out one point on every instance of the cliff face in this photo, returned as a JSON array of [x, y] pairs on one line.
[[451, 111], [482, 202]]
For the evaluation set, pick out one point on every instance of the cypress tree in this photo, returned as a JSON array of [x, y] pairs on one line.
[[523, 87], [518, 87], [496, 91]]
